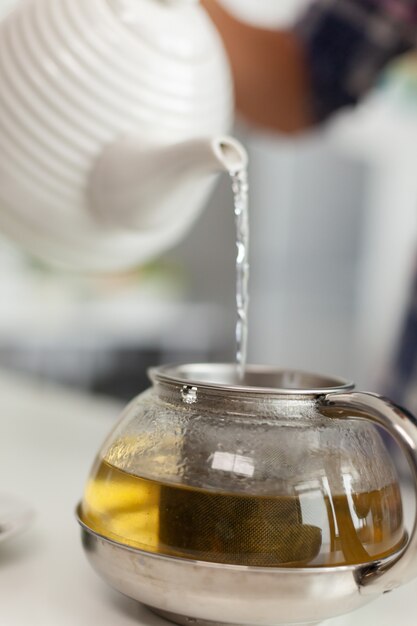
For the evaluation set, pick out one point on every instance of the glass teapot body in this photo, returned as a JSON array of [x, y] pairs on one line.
[[245, 476]]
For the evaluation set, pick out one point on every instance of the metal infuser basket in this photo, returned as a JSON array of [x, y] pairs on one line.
[[271, 500]]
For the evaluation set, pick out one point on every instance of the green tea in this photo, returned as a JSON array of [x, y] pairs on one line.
[[315, 529]]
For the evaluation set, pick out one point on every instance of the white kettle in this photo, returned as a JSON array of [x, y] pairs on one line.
[[112, 122]]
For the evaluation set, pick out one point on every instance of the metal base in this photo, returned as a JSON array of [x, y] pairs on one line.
[[183, 620], [227, 595]]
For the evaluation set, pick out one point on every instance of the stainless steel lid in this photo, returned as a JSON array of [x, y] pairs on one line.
[[258, 379]]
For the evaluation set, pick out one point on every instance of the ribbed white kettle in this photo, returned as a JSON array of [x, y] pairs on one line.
[[112, 122]]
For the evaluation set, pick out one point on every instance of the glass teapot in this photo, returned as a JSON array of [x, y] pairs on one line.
[[271, 500]]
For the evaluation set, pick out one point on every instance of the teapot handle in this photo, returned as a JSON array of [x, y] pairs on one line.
[[402, 426]]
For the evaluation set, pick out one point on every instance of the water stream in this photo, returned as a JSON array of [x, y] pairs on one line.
[[241, 208]]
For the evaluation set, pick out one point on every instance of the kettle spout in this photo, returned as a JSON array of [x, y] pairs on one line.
[[135, 187], [216, 155]]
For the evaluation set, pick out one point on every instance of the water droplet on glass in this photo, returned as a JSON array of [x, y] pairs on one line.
[[189, 395]]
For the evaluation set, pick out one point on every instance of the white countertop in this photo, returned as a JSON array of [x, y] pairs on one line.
[[48, 439]]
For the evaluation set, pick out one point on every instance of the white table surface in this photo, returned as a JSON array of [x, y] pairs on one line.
[[48, 439]]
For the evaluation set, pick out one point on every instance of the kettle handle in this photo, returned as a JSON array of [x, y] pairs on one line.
[[402, 426]]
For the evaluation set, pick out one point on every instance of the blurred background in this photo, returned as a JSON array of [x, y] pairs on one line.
[[333, 240]]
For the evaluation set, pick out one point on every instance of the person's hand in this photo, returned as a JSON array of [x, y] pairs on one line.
[[271, 78]]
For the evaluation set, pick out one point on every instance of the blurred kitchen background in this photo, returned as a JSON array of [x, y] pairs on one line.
[[333, 241]]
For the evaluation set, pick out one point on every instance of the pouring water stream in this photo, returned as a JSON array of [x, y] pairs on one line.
[[241, 208], [232, 157]]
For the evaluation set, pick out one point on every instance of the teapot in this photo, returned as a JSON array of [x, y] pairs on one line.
[[113, 116], [270, 499]]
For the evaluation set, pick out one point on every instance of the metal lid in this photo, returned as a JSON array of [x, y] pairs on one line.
[[258, 379]]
